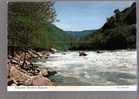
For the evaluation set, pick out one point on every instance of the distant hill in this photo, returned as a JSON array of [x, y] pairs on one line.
[[54, 37], [80, 34], [119, 32]]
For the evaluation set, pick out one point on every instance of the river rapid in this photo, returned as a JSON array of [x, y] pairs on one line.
[[96, 69]]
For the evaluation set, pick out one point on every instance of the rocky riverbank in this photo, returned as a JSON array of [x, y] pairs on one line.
[[22, 71]]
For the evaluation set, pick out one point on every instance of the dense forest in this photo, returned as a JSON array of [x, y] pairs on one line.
[[30, 25], [119, 32]]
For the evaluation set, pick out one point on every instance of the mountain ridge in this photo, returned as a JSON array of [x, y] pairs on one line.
[[80, 34], [119, 32]]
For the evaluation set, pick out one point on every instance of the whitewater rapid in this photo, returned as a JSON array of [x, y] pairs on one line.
[[96, 69]]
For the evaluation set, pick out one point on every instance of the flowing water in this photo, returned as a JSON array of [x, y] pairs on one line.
[[96, 69]]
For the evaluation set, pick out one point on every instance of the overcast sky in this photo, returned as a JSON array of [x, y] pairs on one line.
[[86, 15]]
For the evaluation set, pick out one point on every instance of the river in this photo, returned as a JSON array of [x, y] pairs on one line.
[[96, 69]]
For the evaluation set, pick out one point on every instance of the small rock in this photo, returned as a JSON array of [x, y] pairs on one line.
[[82, 54], [13, 84], [99, 51], [51, 72], [44, 72], [13, 61], [40, 55], [10, 82]]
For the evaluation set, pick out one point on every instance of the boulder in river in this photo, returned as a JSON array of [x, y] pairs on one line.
[[99, 51], [51, 72], [82, 54]]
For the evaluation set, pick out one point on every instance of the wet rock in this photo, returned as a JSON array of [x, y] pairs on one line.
[[99, 51], [82, 54], [51, 72]]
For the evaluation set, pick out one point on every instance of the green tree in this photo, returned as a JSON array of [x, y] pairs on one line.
[[24, 21]]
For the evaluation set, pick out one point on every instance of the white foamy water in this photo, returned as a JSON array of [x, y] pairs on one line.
[[107, 68]]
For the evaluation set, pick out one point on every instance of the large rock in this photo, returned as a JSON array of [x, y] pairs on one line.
[[18, 77], [50, 73], [41, 81]]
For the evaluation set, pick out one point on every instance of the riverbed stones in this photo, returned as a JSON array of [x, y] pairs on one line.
[[21, 71]]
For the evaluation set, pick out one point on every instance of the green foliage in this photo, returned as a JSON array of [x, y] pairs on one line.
[[53, 37], [30, 26], [24, 21]]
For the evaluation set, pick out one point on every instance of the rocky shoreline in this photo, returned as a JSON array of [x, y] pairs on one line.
[[22, 71]]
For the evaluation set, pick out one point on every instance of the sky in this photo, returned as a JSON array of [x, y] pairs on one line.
[[86, 15]]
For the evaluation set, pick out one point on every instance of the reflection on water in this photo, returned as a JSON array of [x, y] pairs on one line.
[[107, 68]]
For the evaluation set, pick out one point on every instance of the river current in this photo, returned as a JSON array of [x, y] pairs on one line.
[[96, 69]]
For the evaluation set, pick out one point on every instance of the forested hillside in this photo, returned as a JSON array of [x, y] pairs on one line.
[[30, 26], [54, 37], [119, 32]]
